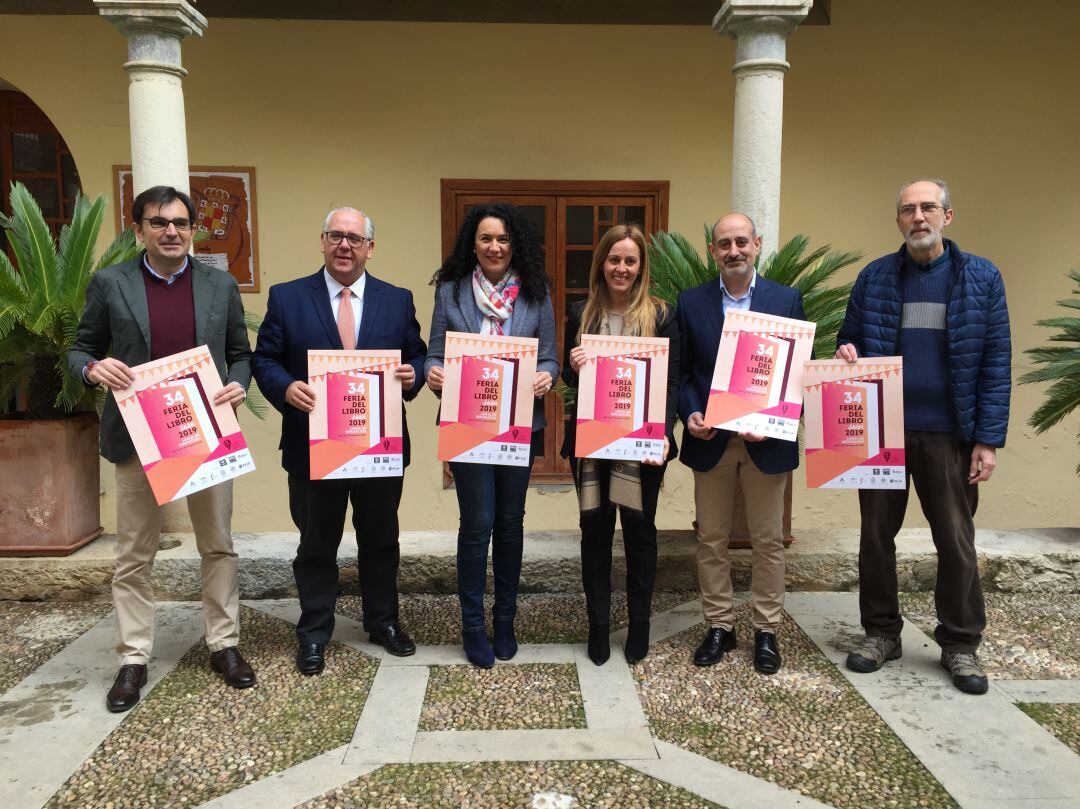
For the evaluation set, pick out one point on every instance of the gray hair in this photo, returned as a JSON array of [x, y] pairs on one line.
[[946, 198], [753, 227], [369, 226]]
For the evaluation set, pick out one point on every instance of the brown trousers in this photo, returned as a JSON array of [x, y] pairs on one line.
[[938, 466], [714, 498], [138, 532]]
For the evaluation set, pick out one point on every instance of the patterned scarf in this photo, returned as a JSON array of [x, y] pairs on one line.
[[624, 477], [496, 301]]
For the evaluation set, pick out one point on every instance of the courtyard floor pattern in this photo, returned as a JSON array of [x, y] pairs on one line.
[[549, 728]]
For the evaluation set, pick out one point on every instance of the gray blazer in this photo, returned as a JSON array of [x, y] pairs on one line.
[[116, 323], [530, 320]]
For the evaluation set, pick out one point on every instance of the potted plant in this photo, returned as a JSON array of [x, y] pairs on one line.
[[50, 503], [676, 266], [1060, 366]]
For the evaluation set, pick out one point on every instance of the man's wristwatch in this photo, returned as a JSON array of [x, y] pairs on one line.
[[86, 371]]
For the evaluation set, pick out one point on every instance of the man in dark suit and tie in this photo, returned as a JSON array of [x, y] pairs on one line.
[[721, 458], [159, 304], [339, 307]]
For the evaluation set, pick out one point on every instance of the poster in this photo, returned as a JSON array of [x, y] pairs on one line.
[[487, 399], [224, 200], [184, 441], [854, 423], [757, 379], [355, 428], [622, 398]]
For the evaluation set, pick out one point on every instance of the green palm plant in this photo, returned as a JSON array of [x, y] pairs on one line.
[[41, 301], [1060, 366]]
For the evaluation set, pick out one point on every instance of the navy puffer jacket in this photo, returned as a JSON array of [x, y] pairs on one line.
[[977, 320]]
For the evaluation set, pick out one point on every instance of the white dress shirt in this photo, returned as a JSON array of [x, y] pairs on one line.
[[334, 287]]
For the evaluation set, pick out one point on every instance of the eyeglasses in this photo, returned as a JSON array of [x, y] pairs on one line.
[[161, 223], [927, 208], [335, 237]]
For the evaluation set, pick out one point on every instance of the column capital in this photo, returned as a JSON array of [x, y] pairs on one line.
[[781, 16], [170, 18], [154, 30]]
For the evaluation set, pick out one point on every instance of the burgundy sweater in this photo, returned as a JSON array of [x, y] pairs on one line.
[[172, 314]]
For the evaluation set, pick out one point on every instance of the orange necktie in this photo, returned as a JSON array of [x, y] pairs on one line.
[[346, 323]]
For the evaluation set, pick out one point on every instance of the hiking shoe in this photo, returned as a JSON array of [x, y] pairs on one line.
[[873, 652], [967, 674]]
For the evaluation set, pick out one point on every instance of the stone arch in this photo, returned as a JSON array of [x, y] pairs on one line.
[[34, 152]]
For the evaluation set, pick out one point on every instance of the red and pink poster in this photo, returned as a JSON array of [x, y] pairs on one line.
[[854, 423], [622, 398], [485, 415], [355, 430], [184, 442], [757, 379]]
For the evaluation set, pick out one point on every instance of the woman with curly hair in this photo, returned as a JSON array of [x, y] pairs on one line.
[[619, 303], [493, 283]]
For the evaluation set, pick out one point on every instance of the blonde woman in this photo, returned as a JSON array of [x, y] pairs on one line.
[[619, 303]]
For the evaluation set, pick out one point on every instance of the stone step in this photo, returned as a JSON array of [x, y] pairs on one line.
[[1029, 560]]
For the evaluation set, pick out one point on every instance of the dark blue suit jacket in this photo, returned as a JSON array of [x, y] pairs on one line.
[[299, 317], [701, 319]]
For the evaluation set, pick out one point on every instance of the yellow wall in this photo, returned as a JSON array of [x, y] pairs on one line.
[[373, 115]]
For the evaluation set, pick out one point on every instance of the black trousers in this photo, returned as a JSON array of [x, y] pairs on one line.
[[938, 466], [318, 509], [639, 544]]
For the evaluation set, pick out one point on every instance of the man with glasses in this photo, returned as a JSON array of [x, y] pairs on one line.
[[158, 304], [722, 459], [341, 306], [944, 312]]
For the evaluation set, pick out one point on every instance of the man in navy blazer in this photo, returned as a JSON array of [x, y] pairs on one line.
[[720, 458], [340, 306]]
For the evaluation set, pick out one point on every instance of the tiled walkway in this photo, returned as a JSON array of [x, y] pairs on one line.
[[984, 751]]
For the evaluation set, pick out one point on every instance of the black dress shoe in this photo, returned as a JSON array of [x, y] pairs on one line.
[[716, 643], [766, 653], [125, 688], [394, 640], [310, 658], [232, 667]]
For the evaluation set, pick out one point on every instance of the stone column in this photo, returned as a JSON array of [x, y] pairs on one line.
[[760, 29], [154, 30]]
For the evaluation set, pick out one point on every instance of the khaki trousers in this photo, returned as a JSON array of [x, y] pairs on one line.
[[138, 530], [714, 497]]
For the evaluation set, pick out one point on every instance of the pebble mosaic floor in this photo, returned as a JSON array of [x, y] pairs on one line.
[[1028, 635], [32, 632], [493, 785], [194, 738], [805, 729], [533, 695]]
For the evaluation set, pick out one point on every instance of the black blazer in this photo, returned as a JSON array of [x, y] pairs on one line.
[[666, 326], [701, 319], [299, 317]]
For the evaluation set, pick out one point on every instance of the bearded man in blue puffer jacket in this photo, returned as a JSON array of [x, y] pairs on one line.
[[943, 311]]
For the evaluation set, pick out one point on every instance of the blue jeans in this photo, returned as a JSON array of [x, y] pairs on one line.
[[491, 500]]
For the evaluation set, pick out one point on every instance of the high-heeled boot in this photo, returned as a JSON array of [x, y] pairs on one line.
[[477, 648], [504, 643], [599, 644], [637, 642]]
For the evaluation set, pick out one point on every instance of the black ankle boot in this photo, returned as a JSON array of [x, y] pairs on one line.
[[599, 645], [637, 642]]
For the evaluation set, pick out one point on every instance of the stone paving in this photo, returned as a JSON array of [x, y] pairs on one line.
[[547, 729]]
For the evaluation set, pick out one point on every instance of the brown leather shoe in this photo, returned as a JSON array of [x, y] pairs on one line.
[[233, 668], [124, 693]]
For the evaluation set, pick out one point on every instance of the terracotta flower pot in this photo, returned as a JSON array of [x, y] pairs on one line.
[[50, 500]]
